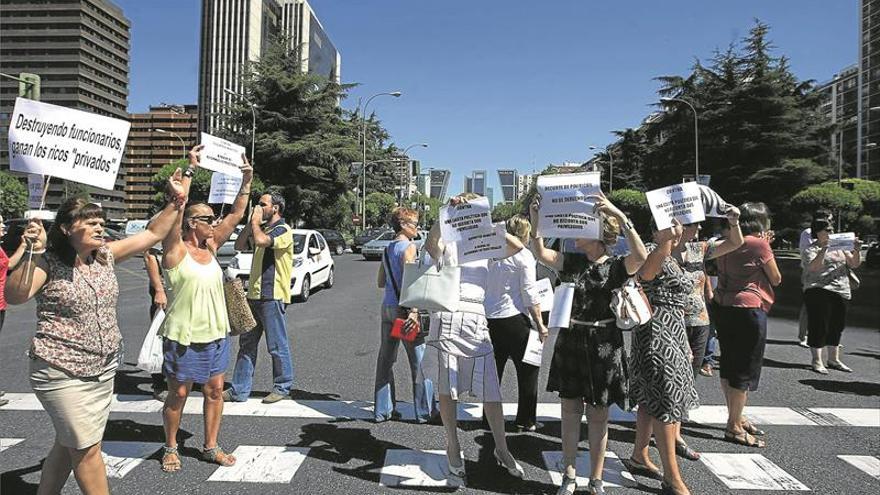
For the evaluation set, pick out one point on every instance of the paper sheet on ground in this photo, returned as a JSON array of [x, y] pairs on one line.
[[844, 241], [36, 183], [567, 204], [483, 244], [563, 298], [680, 201], [62, 142], [534, 349], [224, 188], [460, 220], [221, 155]]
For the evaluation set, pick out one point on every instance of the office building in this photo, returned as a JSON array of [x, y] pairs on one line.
[[423, 184], [404, 173], [476, 183], [868, 136], [80, 50], [524, 183], [157, 138], [490, 195], [439, 183], [508, 180], [840, 108], [235, 32]]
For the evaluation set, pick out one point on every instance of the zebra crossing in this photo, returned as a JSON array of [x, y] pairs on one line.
[[412, 468]]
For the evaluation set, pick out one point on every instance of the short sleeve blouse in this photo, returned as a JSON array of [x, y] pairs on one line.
[[593, 283], [742, 282]]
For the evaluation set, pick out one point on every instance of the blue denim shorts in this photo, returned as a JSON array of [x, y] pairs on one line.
[[195, 362]]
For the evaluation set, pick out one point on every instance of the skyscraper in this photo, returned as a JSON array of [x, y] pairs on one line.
[[490, 195], [868, 144], [439, 183], [80, 50], [476, 183], [235, 32], [508, 180], [149, 149]]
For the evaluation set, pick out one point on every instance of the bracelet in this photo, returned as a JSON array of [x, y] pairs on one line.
[[189, 172], [243, 193], [31, 252]]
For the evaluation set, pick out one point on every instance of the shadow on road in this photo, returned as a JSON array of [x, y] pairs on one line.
[[772, 363], [866, 389], [867, 354]]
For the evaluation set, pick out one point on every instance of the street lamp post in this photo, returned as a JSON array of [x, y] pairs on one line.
[[253, 122], [364, 171], [406, 176], [696, 134], [182, 143], [610, 167]]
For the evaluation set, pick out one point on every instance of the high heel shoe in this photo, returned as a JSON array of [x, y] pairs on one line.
[[666, 489], [568, 486], [456, 471], [516, 471]]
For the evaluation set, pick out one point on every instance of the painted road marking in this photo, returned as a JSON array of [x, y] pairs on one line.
[[416, 468], [262, 464], [750, 472]]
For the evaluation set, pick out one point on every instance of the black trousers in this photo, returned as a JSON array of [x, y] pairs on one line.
[[509, 338], [826, 317]]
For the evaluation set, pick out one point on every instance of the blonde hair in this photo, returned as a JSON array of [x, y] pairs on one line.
[[519, 226], [610, 230], [469, 196]]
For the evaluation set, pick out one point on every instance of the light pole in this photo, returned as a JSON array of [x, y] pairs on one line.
[[395, 94], [868, 148], [182, 143], [405, 180], [253, 123], [610, 167], [696, 134]]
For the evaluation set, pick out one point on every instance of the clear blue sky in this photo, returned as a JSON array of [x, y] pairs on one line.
[[495, 84]]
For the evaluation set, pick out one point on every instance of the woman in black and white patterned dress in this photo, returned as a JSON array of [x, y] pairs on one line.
[[661, 378]]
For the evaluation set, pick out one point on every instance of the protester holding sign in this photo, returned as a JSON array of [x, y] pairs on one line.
[[75, 351], [746, 277], [7, 263], [827, 281], [405, 222], [196, 325], [464, 350], [511, 298], [588, 367], [662, 381]]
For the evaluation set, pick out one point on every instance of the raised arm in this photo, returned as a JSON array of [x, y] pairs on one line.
[[261, 239], [637, 252], [548, 257], [18, 254], [242, 242], [733, 241], [26, 280], [654, 264], [159, 227], [227, 226], [433, 244]]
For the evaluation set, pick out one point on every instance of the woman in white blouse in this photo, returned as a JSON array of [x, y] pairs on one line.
[[511, 297]]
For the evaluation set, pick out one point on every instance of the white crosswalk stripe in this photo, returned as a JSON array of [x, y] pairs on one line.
[[865, 463], [750, 472], [5, 443], [416, 468], [614, 473], [547, 411], [121, 457], [262, 464]]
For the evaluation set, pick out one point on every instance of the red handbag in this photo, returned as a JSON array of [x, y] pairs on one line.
[[399, 331]]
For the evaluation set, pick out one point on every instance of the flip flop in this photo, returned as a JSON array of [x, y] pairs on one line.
[[752, 429]]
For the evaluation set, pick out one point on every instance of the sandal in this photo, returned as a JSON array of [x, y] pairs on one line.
[[683, 450], [752, 429], [217, 456], [639, 469], [169, 464], [744, 439]]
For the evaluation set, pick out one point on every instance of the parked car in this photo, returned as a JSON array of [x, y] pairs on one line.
[[365, 237], [334, 240], [133, 227], [373, 250], [872, 257], [312, 264]]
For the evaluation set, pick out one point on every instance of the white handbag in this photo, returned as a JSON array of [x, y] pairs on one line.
[[630, 305], [151, 356], [430, 289]]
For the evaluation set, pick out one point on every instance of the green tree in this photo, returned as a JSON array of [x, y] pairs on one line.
[[13, 196], [199, 189], [635, 205], [846, 204], [379, 206]]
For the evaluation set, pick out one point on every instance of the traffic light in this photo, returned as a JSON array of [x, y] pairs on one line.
[[29, 86]]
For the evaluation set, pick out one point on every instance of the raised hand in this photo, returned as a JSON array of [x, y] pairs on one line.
[[733, 215], [35, 235], [194, 155], [257, 216], [247, 171], [176, 191]]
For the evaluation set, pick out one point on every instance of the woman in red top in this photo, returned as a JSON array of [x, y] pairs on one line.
[[746, 277], [6, 262]]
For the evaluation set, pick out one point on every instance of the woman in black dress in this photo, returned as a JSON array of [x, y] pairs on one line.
[[589, 363]]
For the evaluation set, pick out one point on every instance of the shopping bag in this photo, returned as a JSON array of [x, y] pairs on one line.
[[151, 356], [430, 289]]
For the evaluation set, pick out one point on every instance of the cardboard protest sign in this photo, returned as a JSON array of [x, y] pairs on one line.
[[567, 205], [544, 288], [36, 183], [713, 205], [483, 244], [460, 220], [224, 188], [680, 201], [844, 241], [534, 349], [62, 142], [221, 155]]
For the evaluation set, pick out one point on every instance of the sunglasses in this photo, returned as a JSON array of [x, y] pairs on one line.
[[209, 219]]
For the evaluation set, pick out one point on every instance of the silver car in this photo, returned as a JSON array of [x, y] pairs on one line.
[[374, 249]]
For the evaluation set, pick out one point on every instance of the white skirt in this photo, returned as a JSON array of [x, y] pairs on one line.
[[465, 358]]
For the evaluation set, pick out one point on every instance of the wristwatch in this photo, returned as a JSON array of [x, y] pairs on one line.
[[189, 172]]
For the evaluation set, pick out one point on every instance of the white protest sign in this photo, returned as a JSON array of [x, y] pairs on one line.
[[534, 349], [713, 205], [40, 215], [844, 241], [680, 201], [560, 313], [221, 155], [544, 288], [483, 244], [567, 204], [62, 142], [224, 188], [460, 220], [35, 190]]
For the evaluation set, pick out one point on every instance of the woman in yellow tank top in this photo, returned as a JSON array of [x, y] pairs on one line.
[[196, 326]]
